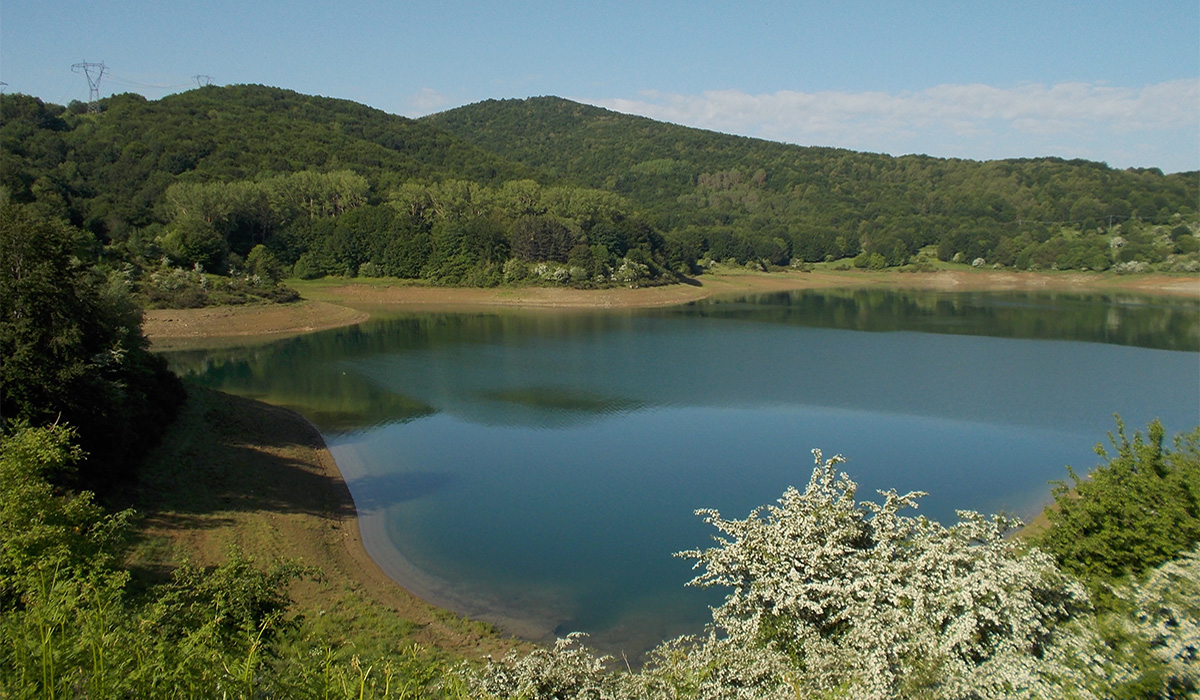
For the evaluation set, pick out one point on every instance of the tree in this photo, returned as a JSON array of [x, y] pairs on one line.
[[263, 263], [71, 348], [1139, 509]]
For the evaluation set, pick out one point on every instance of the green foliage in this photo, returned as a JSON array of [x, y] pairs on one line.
[[44, 532], [747, 199], [70, 625], [232, 603], [71, 347], [205, 176], [1139, 509]]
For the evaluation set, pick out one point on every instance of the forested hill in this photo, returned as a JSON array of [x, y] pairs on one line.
[[253, 184], [127, 155], [735, 197], [256, 183]]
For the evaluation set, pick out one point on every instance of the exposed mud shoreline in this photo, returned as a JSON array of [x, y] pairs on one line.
[[291, 496], [334, 304]]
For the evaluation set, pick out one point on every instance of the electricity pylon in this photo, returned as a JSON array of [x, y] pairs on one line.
[[93, 83]]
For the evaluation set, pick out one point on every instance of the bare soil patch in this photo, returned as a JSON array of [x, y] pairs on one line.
[[259, 477], [332, 304], [167, 328]]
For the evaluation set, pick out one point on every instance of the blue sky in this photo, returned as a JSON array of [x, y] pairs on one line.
[[1112, 81]]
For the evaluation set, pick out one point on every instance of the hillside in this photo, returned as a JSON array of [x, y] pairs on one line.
[[729, 196], [111, 168], [212, 196], [201, 178]]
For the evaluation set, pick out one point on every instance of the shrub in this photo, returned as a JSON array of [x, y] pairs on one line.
[[1139, 509]]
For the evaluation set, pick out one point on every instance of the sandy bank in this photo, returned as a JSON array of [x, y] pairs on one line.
[[168, 328], [334, 303], [260, 477]]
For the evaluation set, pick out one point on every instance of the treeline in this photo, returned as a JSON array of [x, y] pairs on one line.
[[450, 232], [197, 182], [180, 194], [72, 349], [827, 595], [726, 197]]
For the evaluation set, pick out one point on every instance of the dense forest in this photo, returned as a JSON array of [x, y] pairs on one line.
[[256, 183], [215, 194], [828, 595], [723, 196]]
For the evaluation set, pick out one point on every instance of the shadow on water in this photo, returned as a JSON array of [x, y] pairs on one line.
[[376, 492]]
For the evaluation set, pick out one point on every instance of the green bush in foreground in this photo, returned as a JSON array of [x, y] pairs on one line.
[[70, 625], [830, 597], [1139, 509]]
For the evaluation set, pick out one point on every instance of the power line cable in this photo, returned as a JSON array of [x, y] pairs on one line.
[[133, 83]]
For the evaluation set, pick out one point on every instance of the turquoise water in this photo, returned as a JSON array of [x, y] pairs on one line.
[[539, 470]]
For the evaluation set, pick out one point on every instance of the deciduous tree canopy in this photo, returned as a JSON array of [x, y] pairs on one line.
[[332, 187]]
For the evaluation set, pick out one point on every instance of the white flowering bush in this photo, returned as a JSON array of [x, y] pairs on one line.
[[1167, 616], [873, 603], [631, 273], [833, 597], [715, 668], [568, 670]]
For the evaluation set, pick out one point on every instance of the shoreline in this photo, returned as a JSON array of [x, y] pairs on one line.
[[338, 303], [374, 541], [365, 555], [263, 479]]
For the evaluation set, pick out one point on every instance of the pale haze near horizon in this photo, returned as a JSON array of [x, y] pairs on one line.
[[1115, 82]]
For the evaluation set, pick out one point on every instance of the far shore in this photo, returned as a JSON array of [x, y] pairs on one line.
[[306, 508], [333, 303]]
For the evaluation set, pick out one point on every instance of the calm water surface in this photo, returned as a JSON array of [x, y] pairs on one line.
[[539, 470]]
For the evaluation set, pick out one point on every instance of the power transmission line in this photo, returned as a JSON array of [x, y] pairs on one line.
[[93, 83], [133, 83]]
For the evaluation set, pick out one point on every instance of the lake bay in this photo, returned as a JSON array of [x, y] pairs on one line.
[[539, 469]]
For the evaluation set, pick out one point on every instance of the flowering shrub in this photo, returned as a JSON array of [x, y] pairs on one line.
[[833, 597], [1167, 617], [631, 273], [863, 598], [569, 670]]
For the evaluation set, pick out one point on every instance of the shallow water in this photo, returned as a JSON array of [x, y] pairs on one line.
[[539, 470]]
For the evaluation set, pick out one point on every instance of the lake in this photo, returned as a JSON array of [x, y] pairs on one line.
[[538, 469]]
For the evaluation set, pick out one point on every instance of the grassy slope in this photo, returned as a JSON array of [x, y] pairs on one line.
[[232, 471]]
